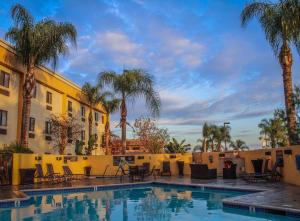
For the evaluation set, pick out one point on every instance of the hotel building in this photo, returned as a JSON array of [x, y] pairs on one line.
[[54, 94]]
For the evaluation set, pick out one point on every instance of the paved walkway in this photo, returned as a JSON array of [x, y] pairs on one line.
[[272, 195]]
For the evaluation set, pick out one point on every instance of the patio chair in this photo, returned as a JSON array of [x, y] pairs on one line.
[[265, 175], [146, 168], [69, 175], [134, 173], [166, 170], [54, 177], [39, 174], [257, 166]]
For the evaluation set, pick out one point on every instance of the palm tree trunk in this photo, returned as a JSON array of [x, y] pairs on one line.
[[286, 62], [204, 145], [107, 138], [123, 124], [90, 121], [27, 90]]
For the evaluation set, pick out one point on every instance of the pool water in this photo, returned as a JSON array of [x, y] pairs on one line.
[[138, 204]]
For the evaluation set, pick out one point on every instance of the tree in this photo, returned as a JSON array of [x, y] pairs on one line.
[[131, 84], [177, 147], [274, 131], [213, 136], [281, 24], [64, 130], [36, 43], [206, 131], [93, 97], [110, 107], [238, 145], [153, 139]]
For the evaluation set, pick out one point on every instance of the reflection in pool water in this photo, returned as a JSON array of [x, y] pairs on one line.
[[148, 203]]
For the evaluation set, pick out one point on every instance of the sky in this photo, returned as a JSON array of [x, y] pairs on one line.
[[207, 68]]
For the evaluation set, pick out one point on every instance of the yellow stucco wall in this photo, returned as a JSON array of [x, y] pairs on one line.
[[98, 163], [10, 104], [62, 91]]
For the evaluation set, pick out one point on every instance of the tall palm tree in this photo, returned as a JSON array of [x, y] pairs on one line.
[[239, 145], [206, 130], [281, 24], [93, 97], [131, 84], [110, 107], [225, 134], [36, 43]]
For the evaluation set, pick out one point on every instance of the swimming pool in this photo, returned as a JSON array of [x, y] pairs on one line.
[[149, 202]]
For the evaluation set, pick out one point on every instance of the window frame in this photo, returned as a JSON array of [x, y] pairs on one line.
[[48, 126], [4, 79], [49, 97], [82, 135], [70, 106], [96, 118], [83, 111], [31, 124], [1, 118], [34, 92]]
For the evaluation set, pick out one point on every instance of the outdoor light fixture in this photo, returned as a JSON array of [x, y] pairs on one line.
[[225, 123]]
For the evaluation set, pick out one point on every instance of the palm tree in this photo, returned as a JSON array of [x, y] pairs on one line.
[[131, 84], [206, 130], [177, 147], [239, 145], [273, 130], [93, 97], [110, 107], [36, 43], [225, 134], [281, 24]]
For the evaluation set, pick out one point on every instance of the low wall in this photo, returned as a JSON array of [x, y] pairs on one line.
[[100, 163]]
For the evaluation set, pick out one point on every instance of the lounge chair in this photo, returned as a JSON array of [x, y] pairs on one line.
[[39, 174], [265, 175], [257, 166], [69, 175], [201, 171], [166, 170], [54, 177]]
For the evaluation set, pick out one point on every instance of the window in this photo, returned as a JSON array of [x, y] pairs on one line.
[[83, 135], [69, 106], [96, 116], [49, 97], [48, 127], [3, 118], [82, 111], [103, 119], [33, 93], [31, 124], [4, 79], [69, 133]]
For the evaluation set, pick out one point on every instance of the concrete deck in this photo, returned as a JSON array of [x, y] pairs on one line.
[[274, 196]]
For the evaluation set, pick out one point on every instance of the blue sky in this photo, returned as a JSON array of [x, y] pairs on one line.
[[206, 67]]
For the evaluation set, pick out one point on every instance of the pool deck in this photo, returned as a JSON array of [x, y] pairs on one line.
[[278, 197]]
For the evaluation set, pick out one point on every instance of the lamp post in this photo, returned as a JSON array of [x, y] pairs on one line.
[[225, 123]]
